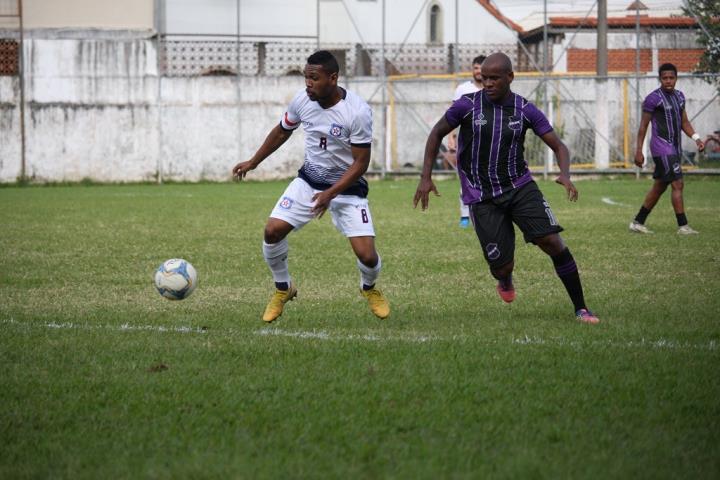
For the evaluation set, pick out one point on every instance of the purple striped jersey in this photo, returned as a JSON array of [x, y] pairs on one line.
[[491, 143], [666, 109]]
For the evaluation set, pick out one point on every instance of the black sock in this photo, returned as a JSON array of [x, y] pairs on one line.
[[567, 271], [506, 282], [282, 285], [368, 287], [642, 215], [681, 219]]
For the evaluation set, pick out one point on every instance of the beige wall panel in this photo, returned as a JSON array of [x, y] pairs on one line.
[[112, 14]]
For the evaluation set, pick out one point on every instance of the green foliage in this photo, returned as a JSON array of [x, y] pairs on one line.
[[103, 378], [708, 14]]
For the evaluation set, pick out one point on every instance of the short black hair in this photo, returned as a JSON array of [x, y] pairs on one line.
[[479, 59], [666, 67], [326, 60]]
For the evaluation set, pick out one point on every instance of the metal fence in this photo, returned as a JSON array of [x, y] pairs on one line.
[[182, 55], [415, 104]]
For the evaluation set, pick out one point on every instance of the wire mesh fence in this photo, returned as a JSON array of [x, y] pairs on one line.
[[416, 104]]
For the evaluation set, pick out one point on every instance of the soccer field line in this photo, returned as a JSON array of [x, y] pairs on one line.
[[610, 201], [410, 337]]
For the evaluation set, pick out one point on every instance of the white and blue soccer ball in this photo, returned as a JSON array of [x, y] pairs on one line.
[[175, 279]]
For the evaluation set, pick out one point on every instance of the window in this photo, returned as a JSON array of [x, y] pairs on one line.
[[435, 24], [9, 53]]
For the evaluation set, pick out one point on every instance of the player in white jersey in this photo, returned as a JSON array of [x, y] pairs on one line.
[[338, 135], [471, 86]]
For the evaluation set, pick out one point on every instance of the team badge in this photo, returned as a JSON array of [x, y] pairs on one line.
[[480, 120], [336, 130], [493, 252], [514, 123], [676, 167], [286, 203]]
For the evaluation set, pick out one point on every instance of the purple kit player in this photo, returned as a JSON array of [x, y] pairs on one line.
[[665, 108], [496, 182]]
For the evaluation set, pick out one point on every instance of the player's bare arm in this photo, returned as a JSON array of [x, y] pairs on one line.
[[273, 141], [690, 132], [432, 147], [361, 162], [642, 131], [563, 158]]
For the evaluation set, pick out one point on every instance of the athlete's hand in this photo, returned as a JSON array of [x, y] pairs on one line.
[[422, 194], [572, 192], [639, 159], [241, 169], [700, 145], [322, 203]]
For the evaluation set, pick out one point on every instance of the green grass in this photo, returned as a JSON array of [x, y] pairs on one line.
[[103, 378]]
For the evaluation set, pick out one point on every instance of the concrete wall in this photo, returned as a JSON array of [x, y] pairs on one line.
[[97, 109]]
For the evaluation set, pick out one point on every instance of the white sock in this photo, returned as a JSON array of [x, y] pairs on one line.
[[368, 275], [464, 209], [276, 257]]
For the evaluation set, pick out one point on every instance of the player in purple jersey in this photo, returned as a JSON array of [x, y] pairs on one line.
[[665, 109], [496, 182]]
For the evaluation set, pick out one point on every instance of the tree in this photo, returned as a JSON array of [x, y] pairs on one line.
[[707, 13]]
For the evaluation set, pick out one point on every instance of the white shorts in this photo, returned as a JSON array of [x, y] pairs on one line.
[[350, 213]]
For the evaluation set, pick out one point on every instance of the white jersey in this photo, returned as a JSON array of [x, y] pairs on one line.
[[329, 134], [463, 88]]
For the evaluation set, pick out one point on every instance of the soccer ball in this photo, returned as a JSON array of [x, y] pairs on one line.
[[175, 279]]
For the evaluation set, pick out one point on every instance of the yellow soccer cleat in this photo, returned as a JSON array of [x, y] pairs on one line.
[[277, 302], [377, 301]]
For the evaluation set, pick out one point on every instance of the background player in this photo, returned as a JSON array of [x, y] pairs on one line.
[[665, 108], [338, 135], [470, 86], [496, 182]]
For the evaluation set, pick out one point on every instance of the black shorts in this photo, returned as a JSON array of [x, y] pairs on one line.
[[667, 168], [493, 220]]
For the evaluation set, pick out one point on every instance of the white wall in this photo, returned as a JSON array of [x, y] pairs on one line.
[[97, 109]]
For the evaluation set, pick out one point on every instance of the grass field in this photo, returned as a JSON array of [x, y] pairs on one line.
[[103, 378]]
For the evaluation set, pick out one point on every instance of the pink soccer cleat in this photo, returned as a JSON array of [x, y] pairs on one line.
[[586, 316], [506, 293]]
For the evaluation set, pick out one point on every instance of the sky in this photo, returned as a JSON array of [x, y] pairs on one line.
[[519, 9]]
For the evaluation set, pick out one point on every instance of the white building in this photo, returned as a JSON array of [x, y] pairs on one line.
[[338, 21]]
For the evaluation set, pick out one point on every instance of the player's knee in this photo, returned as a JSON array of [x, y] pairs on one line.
[[677, 185], [660, 187], [273, 234], [551, 244], [369, 259]]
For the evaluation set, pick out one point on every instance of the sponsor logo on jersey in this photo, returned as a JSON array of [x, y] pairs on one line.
[[286, 203], [514, 123], [336, 130], [493, 252], [480, 120]]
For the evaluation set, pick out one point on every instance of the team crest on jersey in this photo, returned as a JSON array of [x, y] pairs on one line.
[[336, 130], [676, 167], [493, 252], [286, 203], [480, 120], [514, 123]]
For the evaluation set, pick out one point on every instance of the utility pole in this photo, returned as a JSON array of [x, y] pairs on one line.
[[384, 158], [548, 152], [602, 117]]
